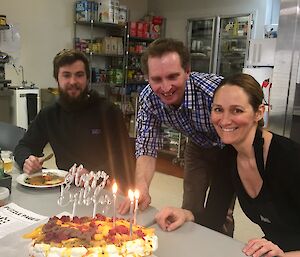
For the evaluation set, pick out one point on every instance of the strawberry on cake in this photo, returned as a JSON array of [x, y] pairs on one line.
[[91, 237]]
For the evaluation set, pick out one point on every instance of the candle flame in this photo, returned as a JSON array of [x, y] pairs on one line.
[[115, 188], [136, 194], [131, 195]]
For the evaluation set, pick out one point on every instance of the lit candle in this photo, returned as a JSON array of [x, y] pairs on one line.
[[131, 198], [114, 190], [136, 207]]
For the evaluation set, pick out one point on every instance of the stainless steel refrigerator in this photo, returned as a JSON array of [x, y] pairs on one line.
[[285, 93], [219, 44]]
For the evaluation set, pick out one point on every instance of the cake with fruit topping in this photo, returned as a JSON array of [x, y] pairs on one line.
[[91, 237]]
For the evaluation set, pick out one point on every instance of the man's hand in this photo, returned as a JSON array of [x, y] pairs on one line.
[[144, 200], [171, 218], [262, 247], [33, 164]]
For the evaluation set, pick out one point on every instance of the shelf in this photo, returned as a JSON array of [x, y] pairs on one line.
[[105, 55], [231, 37], [199, 56], [105, 84], [101, 24], [201, 37], [141, 39], [137, 82], [5, 81], [242, 51], [137, 54], [233, 58], [133, 68]]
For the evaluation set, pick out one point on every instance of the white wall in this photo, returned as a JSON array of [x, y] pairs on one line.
[[46, 26], [177, 12]]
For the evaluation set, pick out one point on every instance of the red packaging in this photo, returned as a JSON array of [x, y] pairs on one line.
[[133, 29], [140, 27], [155, 31], [157, 20], [143, 29]]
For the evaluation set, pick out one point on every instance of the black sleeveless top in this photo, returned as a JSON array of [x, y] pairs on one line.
[[276, 209]]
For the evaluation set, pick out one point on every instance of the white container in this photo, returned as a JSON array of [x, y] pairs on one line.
[[106, 11], [4, 195], [122, 14]]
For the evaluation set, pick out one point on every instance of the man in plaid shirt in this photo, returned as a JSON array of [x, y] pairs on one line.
[[182, 100]]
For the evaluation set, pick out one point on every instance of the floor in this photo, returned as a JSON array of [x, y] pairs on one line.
[[166, 190]]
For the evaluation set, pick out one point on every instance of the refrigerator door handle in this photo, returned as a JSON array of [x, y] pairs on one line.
[[298, 73], [259, 53], [254, 53]]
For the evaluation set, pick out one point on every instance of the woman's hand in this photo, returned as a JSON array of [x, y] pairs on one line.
[[262, 247], [170, 218]]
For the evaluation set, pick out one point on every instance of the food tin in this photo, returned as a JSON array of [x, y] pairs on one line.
[[2, 20]]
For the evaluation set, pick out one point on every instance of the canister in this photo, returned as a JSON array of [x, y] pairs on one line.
[[2, 20]]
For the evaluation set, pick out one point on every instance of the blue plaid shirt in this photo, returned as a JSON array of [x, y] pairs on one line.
[[192, 118]]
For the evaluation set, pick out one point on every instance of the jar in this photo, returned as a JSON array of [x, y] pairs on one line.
[[8, 158], [2, 20], [4, 195]]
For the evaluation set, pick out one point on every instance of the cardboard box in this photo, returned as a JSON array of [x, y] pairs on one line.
[[114, 45], [105, 11], [120, 46], [106, 45]]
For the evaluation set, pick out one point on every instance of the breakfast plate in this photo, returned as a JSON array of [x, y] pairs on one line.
[[44, 179]]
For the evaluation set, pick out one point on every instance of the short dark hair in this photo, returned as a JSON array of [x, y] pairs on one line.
[[251, 87], [161, 46], [69, 56]]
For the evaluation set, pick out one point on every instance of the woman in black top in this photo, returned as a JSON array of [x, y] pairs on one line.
[[263, 173]]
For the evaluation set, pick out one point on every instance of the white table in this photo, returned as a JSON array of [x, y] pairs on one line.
[[188, 241], [192, 240]]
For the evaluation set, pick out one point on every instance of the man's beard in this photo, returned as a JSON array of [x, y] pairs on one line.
[[73, 103]]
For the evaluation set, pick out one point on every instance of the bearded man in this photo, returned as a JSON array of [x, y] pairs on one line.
[[81, 127]]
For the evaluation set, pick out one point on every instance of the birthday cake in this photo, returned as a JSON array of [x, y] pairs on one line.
[[91, 237]]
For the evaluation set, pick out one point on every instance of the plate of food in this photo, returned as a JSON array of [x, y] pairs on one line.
[[44, 179]]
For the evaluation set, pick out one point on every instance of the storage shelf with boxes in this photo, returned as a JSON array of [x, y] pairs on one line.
[[100, 32]]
